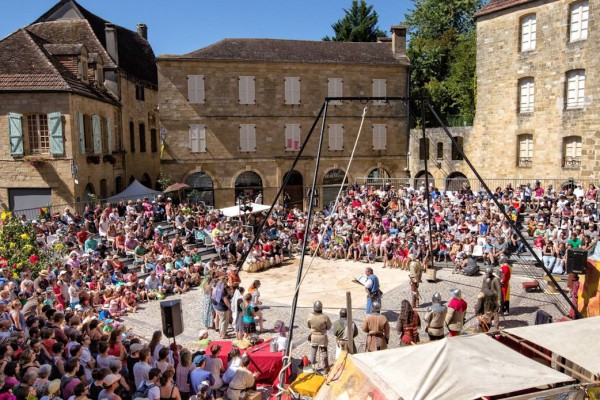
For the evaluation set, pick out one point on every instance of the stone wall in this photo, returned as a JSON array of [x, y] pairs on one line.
[[222, 115], [493, 144]]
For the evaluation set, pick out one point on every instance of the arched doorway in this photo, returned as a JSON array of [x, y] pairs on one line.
[[455, 181], [119, 184], [201, 188], [131, 179], [248, 185], [377, 176], [146, 181], [331, 186], [420, 180], [103, 189], [295, 188], [89, 193]]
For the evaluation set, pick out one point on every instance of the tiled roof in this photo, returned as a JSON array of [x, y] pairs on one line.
[[26, 66], [136, 56], [497, 5], [63, 49], [298, 51]]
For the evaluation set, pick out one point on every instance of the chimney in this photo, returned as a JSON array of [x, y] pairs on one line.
[[398, 40], [112, 46], [142, 30]]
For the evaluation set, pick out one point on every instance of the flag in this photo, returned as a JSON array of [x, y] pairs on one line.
[[162, 149]]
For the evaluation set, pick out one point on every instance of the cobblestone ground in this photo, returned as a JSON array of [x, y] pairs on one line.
[[522, 312]]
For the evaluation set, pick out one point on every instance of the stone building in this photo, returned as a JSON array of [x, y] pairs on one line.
[[237, 112], [78, 100], [538, 114]]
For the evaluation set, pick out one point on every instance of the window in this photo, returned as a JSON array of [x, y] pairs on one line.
[[248, 137], [132, 137], [83, 67], [335, 89], [525, 151], [247, 90], [197, 138], [423, 149], [142, 138], [379, 137], [336, 137], [292, 90], [196, 89], [440, 151], [292, 137], [139, 93], [153, 140], [528, 28], [457, 149], [379, 90], [572, 152], [578, 28], [39, 137], [526, 95], [575, 89]]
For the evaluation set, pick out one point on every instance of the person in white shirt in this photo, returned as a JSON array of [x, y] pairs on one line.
[[141, 369], [152, 383]]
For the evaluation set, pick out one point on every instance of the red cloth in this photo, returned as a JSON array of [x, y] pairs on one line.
[[269, 364], [458, 305], [505, 279]]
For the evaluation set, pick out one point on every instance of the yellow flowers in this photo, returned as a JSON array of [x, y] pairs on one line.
[[5, 215], [24, 236], [58, 246], [11, 245]]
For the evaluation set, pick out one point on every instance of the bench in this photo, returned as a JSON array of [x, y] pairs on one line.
[[531, 286]]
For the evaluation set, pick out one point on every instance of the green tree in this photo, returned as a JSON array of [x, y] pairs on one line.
[[358, 25], [442, 50]]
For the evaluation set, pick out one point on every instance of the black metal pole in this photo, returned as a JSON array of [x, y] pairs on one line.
[[426, 158], [282, 188], [501, 208], [307, 230]]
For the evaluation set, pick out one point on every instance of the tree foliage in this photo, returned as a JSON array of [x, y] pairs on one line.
[[442, 50], [359, 24]]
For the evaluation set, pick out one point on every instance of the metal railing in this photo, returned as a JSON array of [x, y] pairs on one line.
[[571, 162], [525, 162]]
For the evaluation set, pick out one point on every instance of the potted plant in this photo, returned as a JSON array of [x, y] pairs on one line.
[[34, 161]]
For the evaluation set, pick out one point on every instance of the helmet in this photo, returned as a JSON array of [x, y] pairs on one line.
[[456, 293], [436, 298], [318, 307], [489, 271], [376, 306], [343, 313], [502, 258]]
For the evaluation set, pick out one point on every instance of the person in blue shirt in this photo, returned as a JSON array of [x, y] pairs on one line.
[[199, 375]]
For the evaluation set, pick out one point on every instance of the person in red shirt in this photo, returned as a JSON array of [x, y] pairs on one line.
[[82, 236]]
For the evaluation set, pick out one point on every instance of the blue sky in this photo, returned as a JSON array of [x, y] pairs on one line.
[[181, 26]]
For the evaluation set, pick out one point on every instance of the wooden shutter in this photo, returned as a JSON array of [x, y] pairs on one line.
[[247, 137], [526, 146], [97, 134], [196, 94], [194, 138], [379, 90], [579, 21], [109, 134], [197, 138], [379, 137], [57, 143], [573, 147], [335, 89], [15, 132], [336, 137], [292, 90], [527, 95], [528, 32], [292, 137], [81, 132], [247, 94]]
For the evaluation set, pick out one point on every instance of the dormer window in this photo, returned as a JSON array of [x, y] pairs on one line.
[[99, 73], [82, 67]]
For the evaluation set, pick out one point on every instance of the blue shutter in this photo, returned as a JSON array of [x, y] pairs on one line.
[[57, 143], [81, 130], [15, 131], [96, 134], [109, 134]]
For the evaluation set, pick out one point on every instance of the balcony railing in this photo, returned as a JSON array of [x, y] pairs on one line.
[[525, 162], [572, 162]]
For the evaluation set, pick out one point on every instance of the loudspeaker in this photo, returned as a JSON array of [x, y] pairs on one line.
[[172, 317], [576, 261]]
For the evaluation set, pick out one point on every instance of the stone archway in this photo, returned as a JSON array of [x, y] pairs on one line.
[[295, 189], [420, 179], [201, 185], [455, 181], [248, 185], [332, 181]]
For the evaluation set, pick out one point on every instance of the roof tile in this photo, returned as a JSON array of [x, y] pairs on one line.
[[498, 5]]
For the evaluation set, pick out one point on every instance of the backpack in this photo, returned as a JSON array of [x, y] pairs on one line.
[[143, 390]]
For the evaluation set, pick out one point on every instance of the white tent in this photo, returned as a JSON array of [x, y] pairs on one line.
[[465, 367], [576, 341], [234, 211], [133, 192]]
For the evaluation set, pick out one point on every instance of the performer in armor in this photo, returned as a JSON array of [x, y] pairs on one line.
[[435, 318], [372, 289], [377, 327], [457, 308], [415, 270], [487, 305], [341, 334], [319, 324], [505, 283], [408, 324], [497, 288]]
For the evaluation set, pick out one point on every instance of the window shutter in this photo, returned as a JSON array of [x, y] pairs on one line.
[[247, 137], [194, 143], [585, 9], [81, 131], [528, 32], [335, 89], [109, 134], [296, 138], [292, 90], [251, 94], [251, 137], [15, 132], [246, 89], [96, 134], [201, 138], [57, 143], [336, 137], [379, 137], [196, 94], [379, 90], [292, 137]]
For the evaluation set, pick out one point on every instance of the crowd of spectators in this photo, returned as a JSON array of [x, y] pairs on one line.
[[60, 331]]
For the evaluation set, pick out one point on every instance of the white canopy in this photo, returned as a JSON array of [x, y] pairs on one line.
[[465, 367], [133, 192], [577, 341], [234, 211]]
